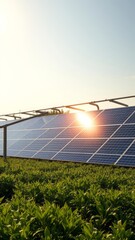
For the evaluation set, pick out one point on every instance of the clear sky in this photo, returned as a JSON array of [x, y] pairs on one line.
[[57, 52]]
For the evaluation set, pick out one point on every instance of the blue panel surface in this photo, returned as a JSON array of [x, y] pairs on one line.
[[69, 132], [127, 161], [28, 154], [131, 150], [76, 157], [110, 139], [44, 155], [37, 145], [98, 132], [12, 153], [20, 145], [115, 146], [84, 145], [126, 131], [55, 145], [104, 159], [131, 119], [33, 134], [16, 134], [114, 116], [62, 120], [51, 133]]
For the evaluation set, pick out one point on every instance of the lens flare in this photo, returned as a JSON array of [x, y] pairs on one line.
[[85, 119]]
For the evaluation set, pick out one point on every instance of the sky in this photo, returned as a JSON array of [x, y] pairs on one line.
[[60, 52]]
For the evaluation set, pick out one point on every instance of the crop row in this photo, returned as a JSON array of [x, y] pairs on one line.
[[51, 200]]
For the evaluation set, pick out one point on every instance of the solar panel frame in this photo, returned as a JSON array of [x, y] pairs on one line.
[[62, 137]]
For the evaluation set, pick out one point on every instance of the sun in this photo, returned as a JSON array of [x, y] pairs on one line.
[[85, 119]]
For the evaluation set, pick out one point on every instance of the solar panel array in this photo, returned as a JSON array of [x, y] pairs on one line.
[[111, 139]]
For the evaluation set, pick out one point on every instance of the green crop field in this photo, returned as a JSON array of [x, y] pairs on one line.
[[57, 200]]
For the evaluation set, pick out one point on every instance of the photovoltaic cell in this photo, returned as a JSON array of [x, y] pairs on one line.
[[34, 134], [131, 150], [28, 154], [109, 140], [50, 133], [98, 132], [103, 159], [115, 146], [69, 132], [127, 161], [19, 145], [61, 120], [84, 145], [12, 153], [114, 116], [55, 145], [126, 131], [75, 157], [17, 134], [36, 145], [44, 155], [131, 119]]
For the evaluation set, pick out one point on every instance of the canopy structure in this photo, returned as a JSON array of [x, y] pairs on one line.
[[59, 109], [100, 136]]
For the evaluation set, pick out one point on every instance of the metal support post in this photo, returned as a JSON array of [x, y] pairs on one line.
[[5, 143]]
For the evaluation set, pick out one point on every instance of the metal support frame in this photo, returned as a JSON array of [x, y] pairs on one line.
[[4, 119], [13, 116], [5, 133], [94, 104], [5, 143], [56, 109], [42, 112], [74, 108], [117, 102], [46, 111]]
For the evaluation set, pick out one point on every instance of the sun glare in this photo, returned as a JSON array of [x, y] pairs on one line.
[[85, 119], [3, 22]]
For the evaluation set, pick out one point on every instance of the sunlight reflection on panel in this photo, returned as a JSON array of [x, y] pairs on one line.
[[85, 120]]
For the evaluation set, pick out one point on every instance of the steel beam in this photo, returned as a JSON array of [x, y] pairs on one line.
[[5, 143]]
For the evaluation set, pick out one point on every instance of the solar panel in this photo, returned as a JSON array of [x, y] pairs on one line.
[[126, 131], [103, 159], [77, 157], [128, 161], [110, 140], [115, 146]]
